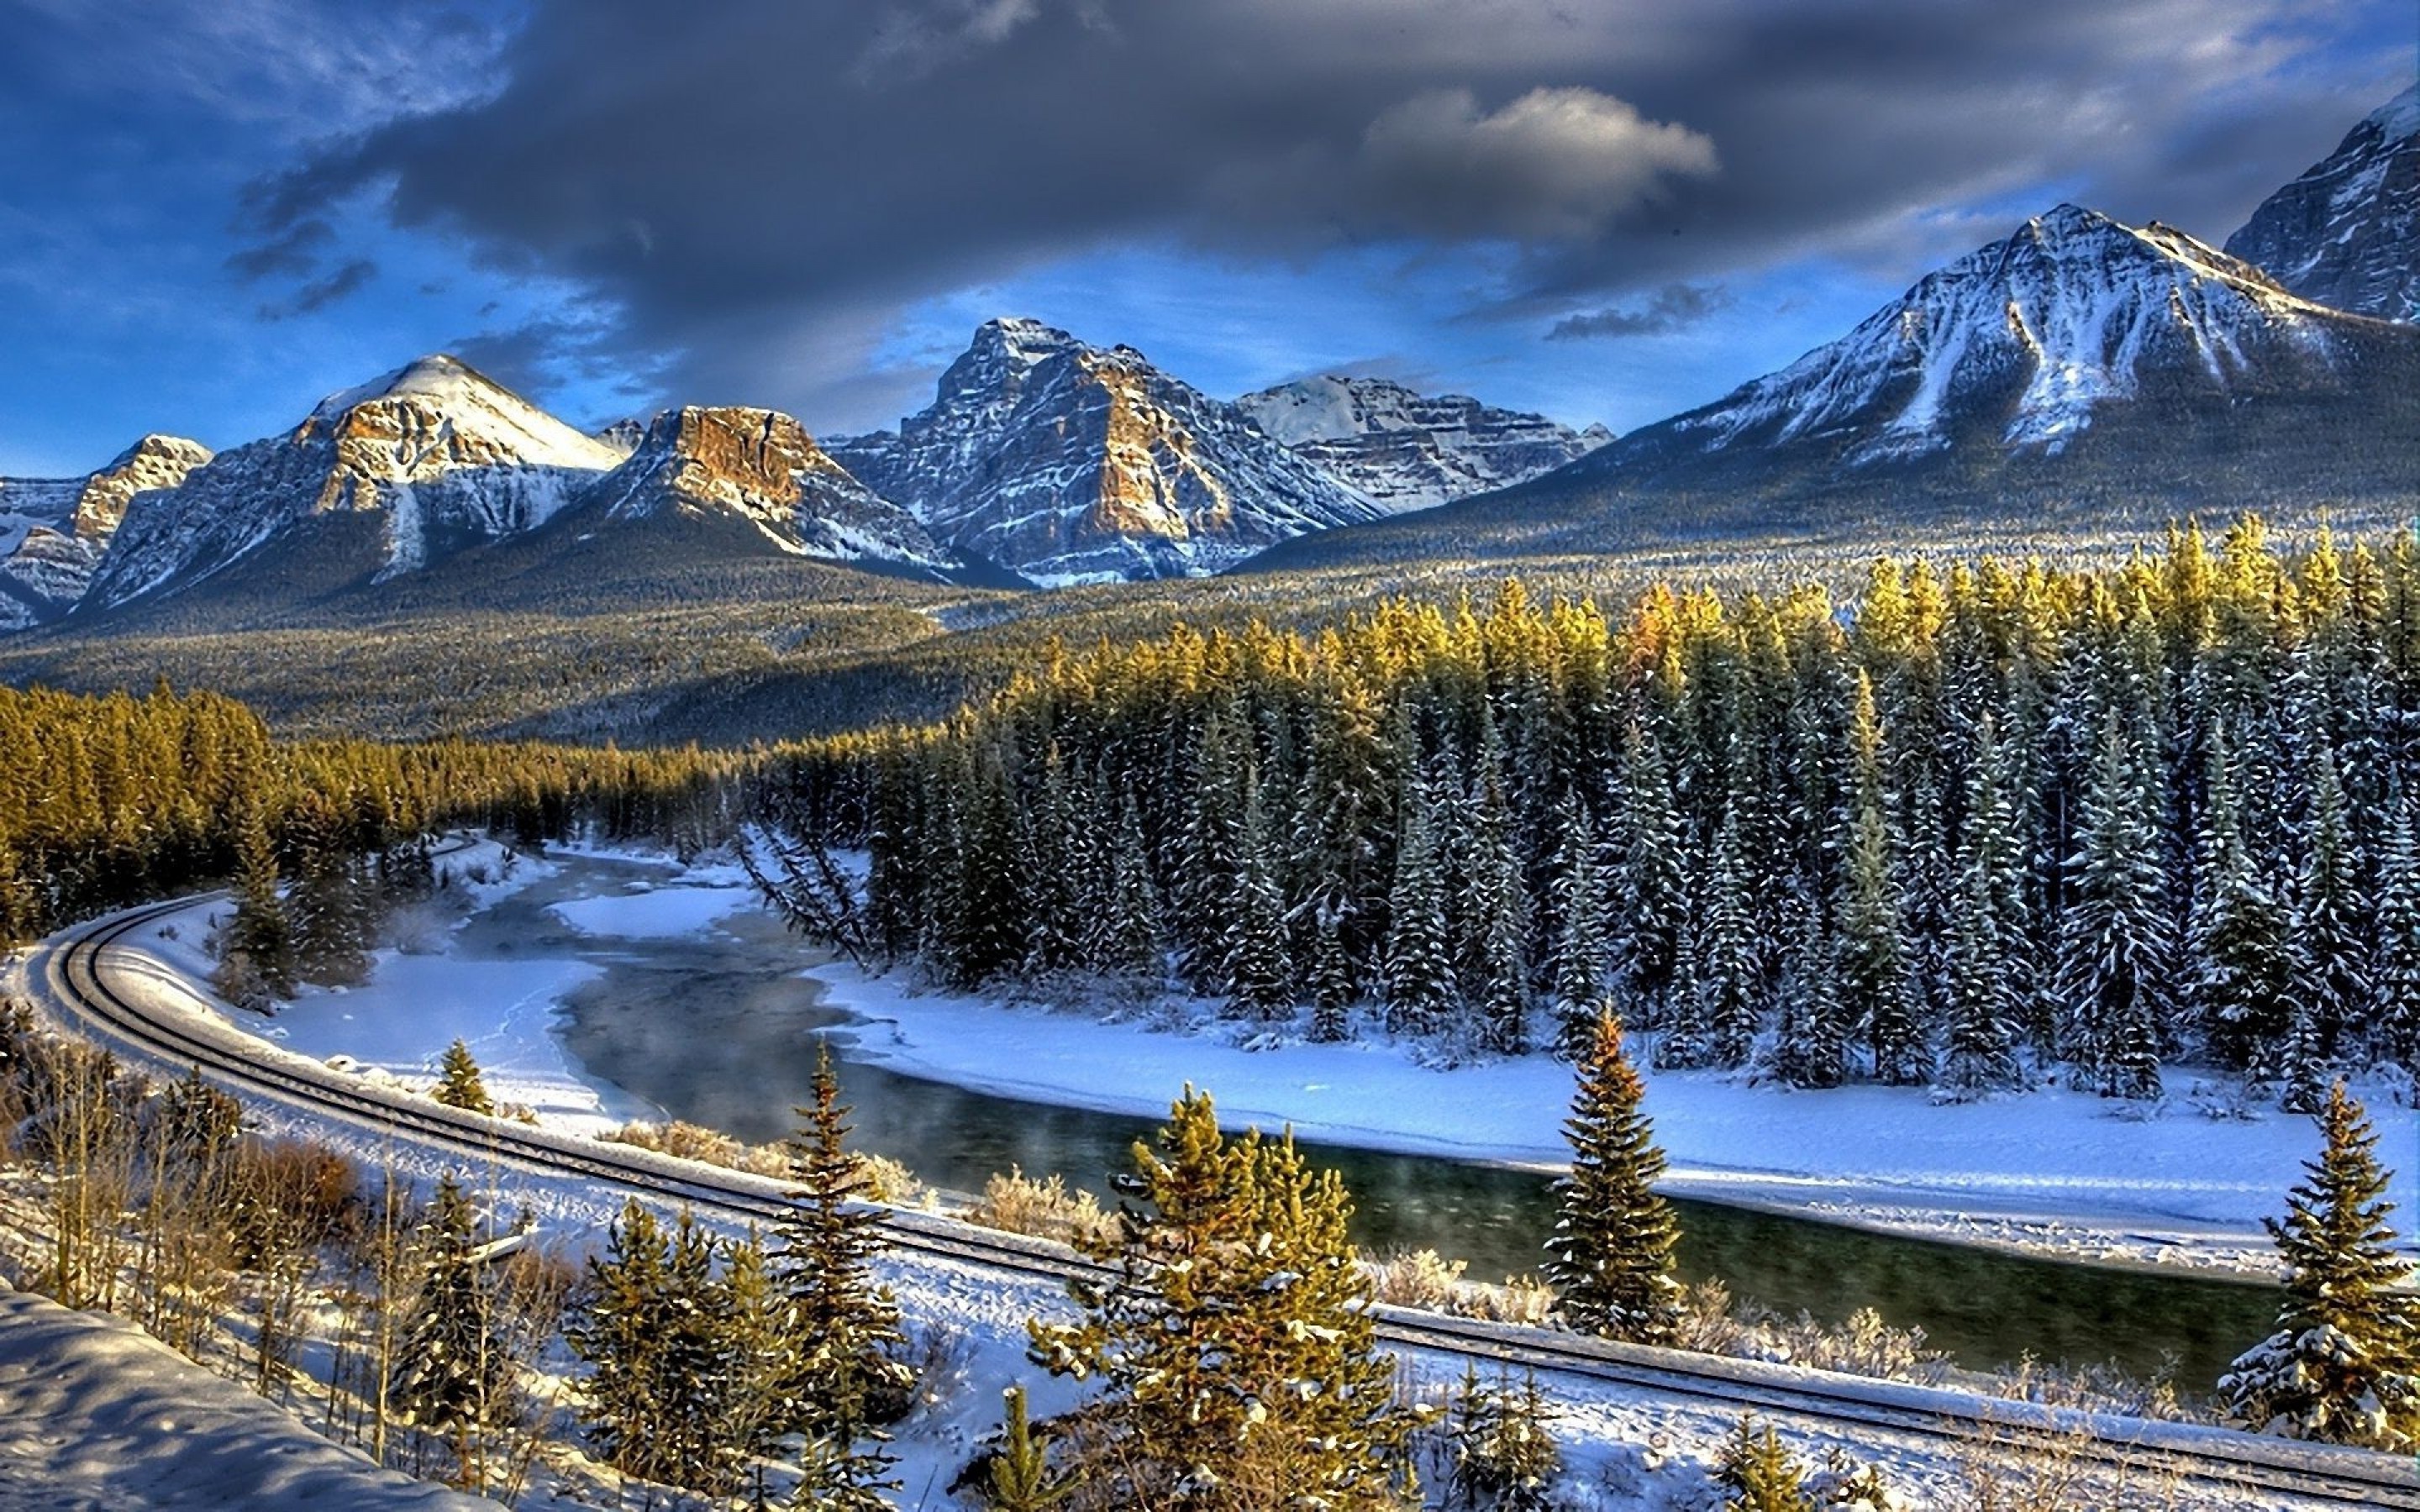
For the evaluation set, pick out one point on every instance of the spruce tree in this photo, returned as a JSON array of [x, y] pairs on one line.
[[1724, 974], [1580, 949], [1653, 896], [459, 1083], [1610, 1259], [1128, 940], [1810, 1042], [617, 1333], [2115, 955], [2330, 952], [845, 1375], [2343, 1363], [1258, 975], [1873, 947], [1983, 1014], [257, 968], [2396, 967], [2238, 947], [1233, 1338], [1496, 971], [1419, 964], [1760, 1475], [1020, 1477], [453, 1379]]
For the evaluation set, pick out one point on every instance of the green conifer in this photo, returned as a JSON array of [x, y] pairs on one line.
[[1610, 1259]]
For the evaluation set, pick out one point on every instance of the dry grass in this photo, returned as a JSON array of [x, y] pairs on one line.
[[1045, 1209]]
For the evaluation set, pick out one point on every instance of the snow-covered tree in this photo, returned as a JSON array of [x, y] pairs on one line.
[[1610, 1257], [1232, 1339], [1419, 960], [2343, 1366]]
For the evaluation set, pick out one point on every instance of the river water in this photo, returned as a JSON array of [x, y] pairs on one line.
[[718, 1030]]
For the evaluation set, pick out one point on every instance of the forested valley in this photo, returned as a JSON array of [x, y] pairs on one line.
[[1989, 823]]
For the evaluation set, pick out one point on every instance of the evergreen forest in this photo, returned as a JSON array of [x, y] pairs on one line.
[[1987, 823]]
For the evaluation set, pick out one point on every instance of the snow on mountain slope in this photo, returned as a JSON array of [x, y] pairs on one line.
[[1411, 451], [2024, 342], [1071, 463], [441, 455], [760, 466], [53, 530], [2347, 233]]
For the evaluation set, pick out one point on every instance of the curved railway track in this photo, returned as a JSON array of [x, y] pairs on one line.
[[2238, 1464]]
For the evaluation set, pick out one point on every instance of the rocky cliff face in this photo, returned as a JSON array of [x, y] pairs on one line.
[[2347, 233], [440, 456], [1404, 449], [1070, 463], [759, 466], [54, 532]]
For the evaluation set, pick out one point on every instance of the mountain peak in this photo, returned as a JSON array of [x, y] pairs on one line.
[[2028, 337], [2347, 233]]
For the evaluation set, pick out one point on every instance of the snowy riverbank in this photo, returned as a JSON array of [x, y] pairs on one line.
[[2052, 1172]]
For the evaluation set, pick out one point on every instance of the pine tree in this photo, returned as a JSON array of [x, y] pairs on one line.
[[1232, 1339], [2343, 1363], [2396, 970], [1760, 1475], [1128, 940], [1258, 976], [1501, 1448], [1610, 1259], [617, 1335], [1724, 974], [1873, 947], [2239, 958], [2114, 966], [1496, 971], [2329, 985], [1418, 959], [1580, 949], [1020, 1477], [453, 1379], [1810, 1044], [259, 965], [844, 1373], [458, 1085], [1983, 1014], [756, 1364], [1653, 903]]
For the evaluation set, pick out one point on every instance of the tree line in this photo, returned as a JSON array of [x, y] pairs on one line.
[[1982, 823], [113, 800]]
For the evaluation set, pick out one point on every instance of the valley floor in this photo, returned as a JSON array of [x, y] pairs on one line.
[[1627, 1450], [2052, 1172]]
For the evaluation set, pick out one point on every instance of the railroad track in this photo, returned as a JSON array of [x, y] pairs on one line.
[[2313, 1476]]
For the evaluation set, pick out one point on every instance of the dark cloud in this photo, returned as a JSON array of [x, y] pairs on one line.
[[756, 187], [292, 253], [1673, 307], [348, 280]]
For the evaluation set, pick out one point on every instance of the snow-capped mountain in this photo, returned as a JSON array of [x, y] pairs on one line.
[[1407, 451], [53, 530], [2347, 233], [624, 435], [2021, 347], [759, 466], [440, 456], [1071, 463]]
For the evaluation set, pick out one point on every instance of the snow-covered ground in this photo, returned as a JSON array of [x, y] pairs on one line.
[[1627, 1449], [2050, 1172], [95, 1414]]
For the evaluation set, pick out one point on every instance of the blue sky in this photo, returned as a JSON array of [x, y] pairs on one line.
[[211, 214]]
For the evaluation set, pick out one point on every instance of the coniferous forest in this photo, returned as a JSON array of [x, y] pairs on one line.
[[116, 801], [1983, 824]]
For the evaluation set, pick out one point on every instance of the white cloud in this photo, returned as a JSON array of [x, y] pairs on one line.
[[1554, 164]]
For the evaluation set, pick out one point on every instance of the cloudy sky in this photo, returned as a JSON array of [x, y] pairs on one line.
[[213, 211]]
